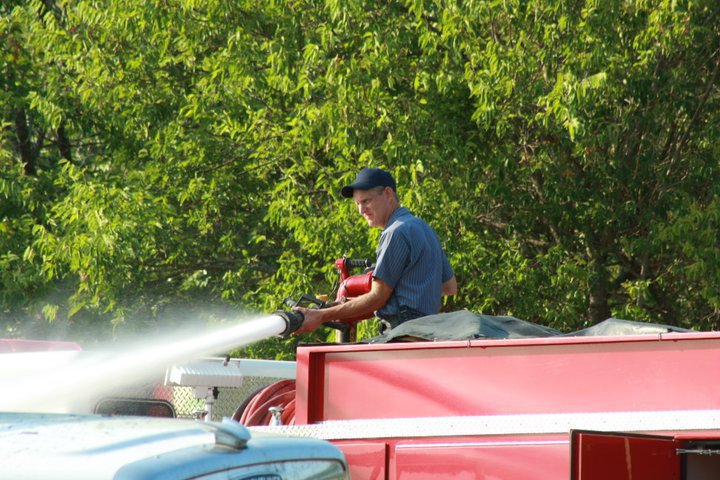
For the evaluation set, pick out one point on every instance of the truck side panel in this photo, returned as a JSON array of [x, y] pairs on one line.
[[565, 375], [491, 409], [481, 458]]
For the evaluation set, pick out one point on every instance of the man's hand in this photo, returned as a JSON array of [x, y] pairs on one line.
[[313, 318], [373, 300]]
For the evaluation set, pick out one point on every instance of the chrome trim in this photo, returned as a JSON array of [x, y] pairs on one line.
[[525, 424]]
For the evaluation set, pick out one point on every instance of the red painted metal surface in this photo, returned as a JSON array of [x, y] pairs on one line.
[[367, 460], [529, 379], [556, 375], [492, 458], [601, 456], [486, 458]]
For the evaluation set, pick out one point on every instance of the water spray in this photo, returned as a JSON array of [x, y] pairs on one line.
[[61, 383]]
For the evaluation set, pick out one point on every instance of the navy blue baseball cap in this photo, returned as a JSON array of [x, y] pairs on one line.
[[368, 178]]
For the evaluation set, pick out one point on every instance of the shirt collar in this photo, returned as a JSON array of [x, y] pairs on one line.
[[399, 212]]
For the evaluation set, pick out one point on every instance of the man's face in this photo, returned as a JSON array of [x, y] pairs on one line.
[[375, 205]]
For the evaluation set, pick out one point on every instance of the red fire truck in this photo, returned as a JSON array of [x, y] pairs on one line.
[[643, 406], [631, 406], [497, 403]]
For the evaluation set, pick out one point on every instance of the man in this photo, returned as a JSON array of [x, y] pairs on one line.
[[411, 272]]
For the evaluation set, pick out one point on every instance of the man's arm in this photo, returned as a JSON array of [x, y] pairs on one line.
[[369, 302], [449, 287]]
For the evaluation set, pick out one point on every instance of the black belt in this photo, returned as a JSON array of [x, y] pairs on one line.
[[388, 322]]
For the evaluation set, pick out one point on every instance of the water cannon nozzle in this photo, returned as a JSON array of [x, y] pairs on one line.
[[293, 320]]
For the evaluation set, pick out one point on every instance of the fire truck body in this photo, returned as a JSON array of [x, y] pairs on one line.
[[517, 409], [581, 407]]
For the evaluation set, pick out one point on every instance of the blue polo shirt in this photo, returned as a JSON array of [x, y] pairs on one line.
[[411, 260]]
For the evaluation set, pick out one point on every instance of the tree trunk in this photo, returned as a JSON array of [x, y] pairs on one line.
[[598, 287], [22, 137], [599, 309], [63, 143]]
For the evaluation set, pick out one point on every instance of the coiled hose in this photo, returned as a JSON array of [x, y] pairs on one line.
[[255, 410]]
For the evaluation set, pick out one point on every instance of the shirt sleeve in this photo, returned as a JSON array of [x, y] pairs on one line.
[[447, 272], [393, 255]]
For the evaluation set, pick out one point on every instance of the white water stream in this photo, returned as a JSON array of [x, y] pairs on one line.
[[65, 381]]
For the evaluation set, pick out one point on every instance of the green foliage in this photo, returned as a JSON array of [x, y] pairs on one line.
[[159, 154]]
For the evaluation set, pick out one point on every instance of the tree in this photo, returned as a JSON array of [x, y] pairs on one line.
[[601, 116]]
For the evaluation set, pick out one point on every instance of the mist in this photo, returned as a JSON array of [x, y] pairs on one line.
[[69, 381]]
